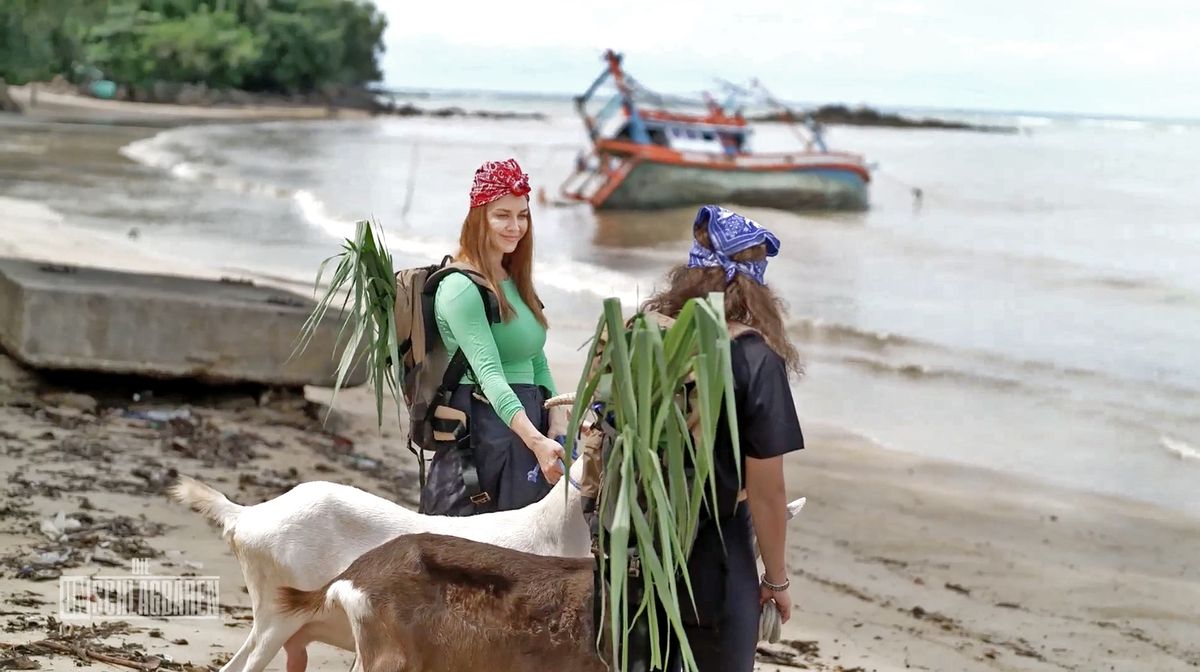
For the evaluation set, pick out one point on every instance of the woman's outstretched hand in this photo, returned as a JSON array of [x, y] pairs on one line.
[[548, 453]]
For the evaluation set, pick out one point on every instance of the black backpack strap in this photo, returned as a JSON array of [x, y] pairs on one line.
[[491, 305], [458, 367]]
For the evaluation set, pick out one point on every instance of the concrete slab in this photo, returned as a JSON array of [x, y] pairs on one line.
[[73, 317]]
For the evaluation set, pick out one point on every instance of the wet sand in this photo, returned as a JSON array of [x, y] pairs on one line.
[[898, 562]]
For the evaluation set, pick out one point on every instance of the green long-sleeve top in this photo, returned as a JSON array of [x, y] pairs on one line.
[[501, 355]]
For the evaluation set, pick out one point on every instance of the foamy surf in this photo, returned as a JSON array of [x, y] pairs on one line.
[[1180, 449], [315, 213], [156, 152]]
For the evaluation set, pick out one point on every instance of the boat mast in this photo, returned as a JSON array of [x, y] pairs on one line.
[[637, 127]]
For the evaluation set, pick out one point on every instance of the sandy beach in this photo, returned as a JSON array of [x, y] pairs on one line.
[[68, 106], [898, 562]]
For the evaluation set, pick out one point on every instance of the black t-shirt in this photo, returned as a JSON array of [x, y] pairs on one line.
[[766, 414]]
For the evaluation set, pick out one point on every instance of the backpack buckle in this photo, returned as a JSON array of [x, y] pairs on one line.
[[635, 566], [481, 498]]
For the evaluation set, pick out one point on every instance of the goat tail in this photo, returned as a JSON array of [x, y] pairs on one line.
[[337, 594], [206, 501], [307, 602]]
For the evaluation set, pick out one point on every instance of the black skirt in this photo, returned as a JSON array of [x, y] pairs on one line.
[[487, 469]]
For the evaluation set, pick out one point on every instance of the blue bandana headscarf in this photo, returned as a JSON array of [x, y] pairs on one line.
[[731, 233]]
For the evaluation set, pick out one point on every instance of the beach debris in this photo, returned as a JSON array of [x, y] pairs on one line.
[[84, 644], [74, 400], [80, 538], [278, 482], [27, 598], [58, 527], [32, 573], [958, 589], [203, 439], [158, 415], [944, 622], [803, 647], [156, 477], [66, 417], [16, 508], [19, 662], [1024, 649], [776, 657]]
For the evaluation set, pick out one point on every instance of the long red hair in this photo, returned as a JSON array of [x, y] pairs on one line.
[[475, 246]]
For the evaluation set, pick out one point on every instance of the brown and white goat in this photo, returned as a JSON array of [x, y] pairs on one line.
[[435, 603]]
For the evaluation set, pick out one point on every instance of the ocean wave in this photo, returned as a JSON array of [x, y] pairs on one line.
[[925, 372], [315, 213], [572, 275], [1180, 449], [815, 329], [890, 353], [163, 152], [159, 152]]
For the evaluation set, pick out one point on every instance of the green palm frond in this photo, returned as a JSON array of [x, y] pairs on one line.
[[650, 503], [366, 278]]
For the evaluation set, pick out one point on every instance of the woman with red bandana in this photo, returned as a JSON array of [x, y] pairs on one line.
[[508, 379]]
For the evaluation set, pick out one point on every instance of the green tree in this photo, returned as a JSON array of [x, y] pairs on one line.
[[42, 38], [311, 43], [136, 46], [269, 45]]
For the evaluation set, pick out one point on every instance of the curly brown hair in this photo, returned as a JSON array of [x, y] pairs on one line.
[[746, 301]]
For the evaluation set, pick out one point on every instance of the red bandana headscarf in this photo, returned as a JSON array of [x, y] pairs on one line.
[[495, 179]]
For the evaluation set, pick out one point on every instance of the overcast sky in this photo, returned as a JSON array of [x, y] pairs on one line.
[[1098, 56]]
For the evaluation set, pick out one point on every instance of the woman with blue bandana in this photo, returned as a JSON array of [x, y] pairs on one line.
[[729, 254]]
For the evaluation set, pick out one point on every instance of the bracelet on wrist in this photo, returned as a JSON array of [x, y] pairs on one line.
[[777, 587]]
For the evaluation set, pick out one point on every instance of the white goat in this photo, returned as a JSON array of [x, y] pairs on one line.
[[308, 535]]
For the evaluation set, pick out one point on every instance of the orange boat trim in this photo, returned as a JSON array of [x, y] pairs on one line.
[[745, 162]]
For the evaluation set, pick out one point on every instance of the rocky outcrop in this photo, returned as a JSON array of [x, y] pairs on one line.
[[865, 116]]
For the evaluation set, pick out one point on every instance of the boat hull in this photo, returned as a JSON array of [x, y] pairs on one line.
[[652, 185]]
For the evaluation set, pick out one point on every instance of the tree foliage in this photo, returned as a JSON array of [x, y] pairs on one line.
[[285, 46]]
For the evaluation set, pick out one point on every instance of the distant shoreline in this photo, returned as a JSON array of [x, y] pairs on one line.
[[842, 115], [56, 102], [38, 103]]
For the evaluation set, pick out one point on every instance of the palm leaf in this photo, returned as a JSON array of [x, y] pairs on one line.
[[366, 282], [650, 503]]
